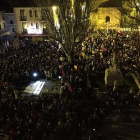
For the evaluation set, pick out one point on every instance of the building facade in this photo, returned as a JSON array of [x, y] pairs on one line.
[[30, 22], [106, 17], [2, 21], [4, 33], [10, 23]]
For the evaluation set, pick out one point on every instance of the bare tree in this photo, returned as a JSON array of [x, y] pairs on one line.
[[130, 9], [72, 21]]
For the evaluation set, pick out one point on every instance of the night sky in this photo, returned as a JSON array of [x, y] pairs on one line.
[[5, 4]]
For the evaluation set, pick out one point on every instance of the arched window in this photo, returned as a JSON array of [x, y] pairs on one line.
[[11, 21], [107, 19], [30, 13], [36, 15]]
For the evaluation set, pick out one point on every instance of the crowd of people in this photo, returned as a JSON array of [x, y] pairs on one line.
[[67, 115]]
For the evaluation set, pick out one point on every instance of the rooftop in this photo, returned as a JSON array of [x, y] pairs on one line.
[[4, 5], [109, 4]]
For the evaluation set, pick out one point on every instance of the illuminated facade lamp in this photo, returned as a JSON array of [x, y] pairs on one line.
[[44, 26], [137, 4], [83, 7], [54, 8]]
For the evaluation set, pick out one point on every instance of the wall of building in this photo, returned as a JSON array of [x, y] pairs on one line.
[[30, 22], [113, 13], [2, 21], [10, 22]]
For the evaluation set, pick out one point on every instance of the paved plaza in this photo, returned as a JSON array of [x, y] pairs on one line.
[[49, 87]]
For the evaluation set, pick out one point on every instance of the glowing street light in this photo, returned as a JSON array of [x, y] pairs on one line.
[[35, 74], [83, 7], [54, 8], [56, 20], [137, 4], [72, 3]]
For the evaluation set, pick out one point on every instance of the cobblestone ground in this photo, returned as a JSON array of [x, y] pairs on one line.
[[50, 87]]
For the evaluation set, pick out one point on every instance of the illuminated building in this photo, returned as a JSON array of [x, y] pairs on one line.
[[30, 22]]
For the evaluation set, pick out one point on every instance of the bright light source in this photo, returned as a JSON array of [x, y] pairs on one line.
[[54, 8], [137, 4], [83, 7], [34, 74], [59, 77]]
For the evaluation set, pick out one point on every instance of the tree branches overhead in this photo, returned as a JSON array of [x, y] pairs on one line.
[[67, 20], [131, 8]]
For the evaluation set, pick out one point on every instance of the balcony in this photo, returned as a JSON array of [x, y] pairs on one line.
[[23, 18]]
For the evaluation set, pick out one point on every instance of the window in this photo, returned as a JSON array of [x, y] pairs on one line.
[[37, 26], [36, 15], [4, 25], [22, 13], [24, 26], [43, 14], [0, 26], [31, 24], [107, 19], [13, 29], [11, 21], [30, 13]]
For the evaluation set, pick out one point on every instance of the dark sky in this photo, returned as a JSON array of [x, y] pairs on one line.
[[7, 1], [4, 4]]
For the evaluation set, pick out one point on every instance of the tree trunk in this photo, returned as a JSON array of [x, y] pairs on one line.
[[70, 59]]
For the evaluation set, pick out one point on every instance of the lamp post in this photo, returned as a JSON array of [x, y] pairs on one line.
[[56, 20], [83, 9]]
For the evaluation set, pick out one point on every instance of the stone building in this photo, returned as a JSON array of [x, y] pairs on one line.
[[106, 16], [10, 23], [30, 22], [107, 9]]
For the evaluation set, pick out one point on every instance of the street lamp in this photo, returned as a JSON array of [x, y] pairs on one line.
[[54, 8], [56, 20], [83, 9]]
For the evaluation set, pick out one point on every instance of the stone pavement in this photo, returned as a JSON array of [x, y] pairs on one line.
[[117, 128], [50, 86]]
